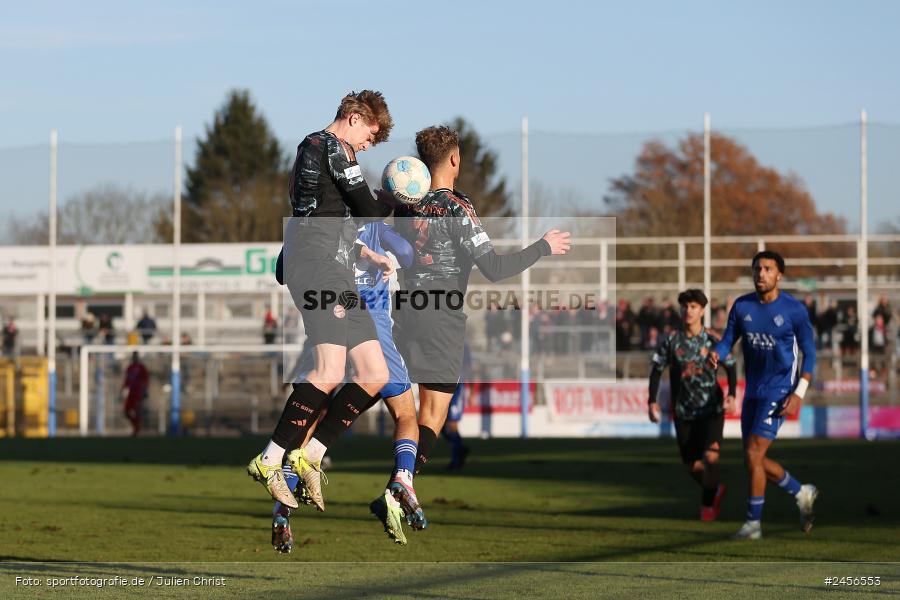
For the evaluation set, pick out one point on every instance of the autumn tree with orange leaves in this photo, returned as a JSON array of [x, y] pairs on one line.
[[664, 197]]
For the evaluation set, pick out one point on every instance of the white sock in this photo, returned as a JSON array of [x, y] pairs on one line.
[[272, 455], [315, 450], [405, 476]]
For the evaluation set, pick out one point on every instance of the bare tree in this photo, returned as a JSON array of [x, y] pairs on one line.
[[105, 214]]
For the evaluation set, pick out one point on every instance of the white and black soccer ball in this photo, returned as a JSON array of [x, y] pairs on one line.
[[407, 178]]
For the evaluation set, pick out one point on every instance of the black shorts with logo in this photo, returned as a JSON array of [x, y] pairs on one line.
[[695, 436], [431, 341], [325, 293]]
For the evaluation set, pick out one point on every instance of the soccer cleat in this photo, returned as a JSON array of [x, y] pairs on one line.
[[751, 530], [302, 494], [311, 474], [711, 513], [273, 480], [390, 514], [282, 539], [806, 497], [717, 501], [405, 495]]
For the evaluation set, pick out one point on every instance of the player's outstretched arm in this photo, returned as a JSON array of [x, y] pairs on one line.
[[496, 267], [394, 243], [560, 241]]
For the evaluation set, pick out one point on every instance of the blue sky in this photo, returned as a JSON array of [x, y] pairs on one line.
[[127, 71]]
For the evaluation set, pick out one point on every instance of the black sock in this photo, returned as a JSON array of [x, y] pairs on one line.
[[709, 495], [347, 405], [300, 412], [427, 440], [373, 401]]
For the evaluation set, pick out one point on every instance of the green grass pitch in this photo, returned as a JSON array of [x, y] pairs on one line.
[[524, 517]]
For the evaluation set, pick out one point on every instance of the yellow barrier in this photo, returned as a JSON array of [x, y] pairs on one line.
[[33, 382], [8, 406]]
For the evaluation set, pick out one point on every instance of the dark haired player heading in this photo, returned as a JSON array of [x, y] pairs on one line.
[[772, 326], [327, 191], [696, 397], [449, 239]]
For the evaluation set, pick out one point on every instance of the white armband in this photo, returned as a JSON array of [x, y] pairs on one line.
[[800, 390]]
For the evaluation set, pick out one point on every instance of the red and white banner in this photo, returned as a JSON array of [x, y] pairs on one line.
[[609, 400], [496, 397], [597, 400]]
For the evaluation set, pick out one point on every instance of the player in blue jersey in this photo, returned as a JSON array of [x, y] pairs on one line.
[[399, 498], [774, 328]]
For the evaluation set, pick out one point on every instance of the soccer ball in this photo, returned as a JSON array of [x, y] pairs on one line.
[[407, 178]]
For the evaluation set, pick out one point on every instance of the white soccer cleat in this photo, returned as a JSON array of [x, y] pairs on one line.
[[272, 479], [806, 497], [311, 474], [751, 530]]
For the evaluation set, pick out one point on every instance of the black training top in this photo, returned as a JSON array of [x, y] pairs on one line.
[[326, 181], [449, 238]]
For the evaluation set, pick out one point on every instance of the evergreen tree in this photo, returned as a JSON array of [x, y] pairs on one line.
[[236, 191], [478, 173]]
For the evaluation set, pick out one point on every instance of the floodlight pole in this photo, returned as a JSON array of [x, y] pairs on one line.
[[51, 280], [707, 219], [175, 406], [524, 363], [862, 289]]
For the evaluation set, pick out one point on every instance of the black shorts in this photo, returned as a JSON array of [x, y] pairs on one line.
[[431, 342], [697, 435], [325, 293]]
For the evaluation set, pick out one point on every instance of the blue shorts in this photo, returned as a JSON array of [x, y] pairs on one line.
[[457, 404], [760, 417], [398, 377]]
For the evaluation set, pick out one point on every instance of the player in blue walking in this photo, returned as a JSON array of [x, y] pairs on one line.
[[774, 328]]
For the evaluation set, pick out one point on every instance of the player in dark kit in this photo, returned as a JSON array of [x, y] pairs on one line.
[[327, 191], [449, 239], [696, 397], [773, 326], [375, 291]]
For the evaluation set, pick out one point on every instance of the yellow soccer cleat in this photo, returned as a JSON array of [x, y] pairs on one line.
[[273, 480], [311, 474]]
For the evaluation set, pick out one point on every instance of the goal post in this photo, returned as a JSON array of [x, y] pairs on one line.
[[214, 377]]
